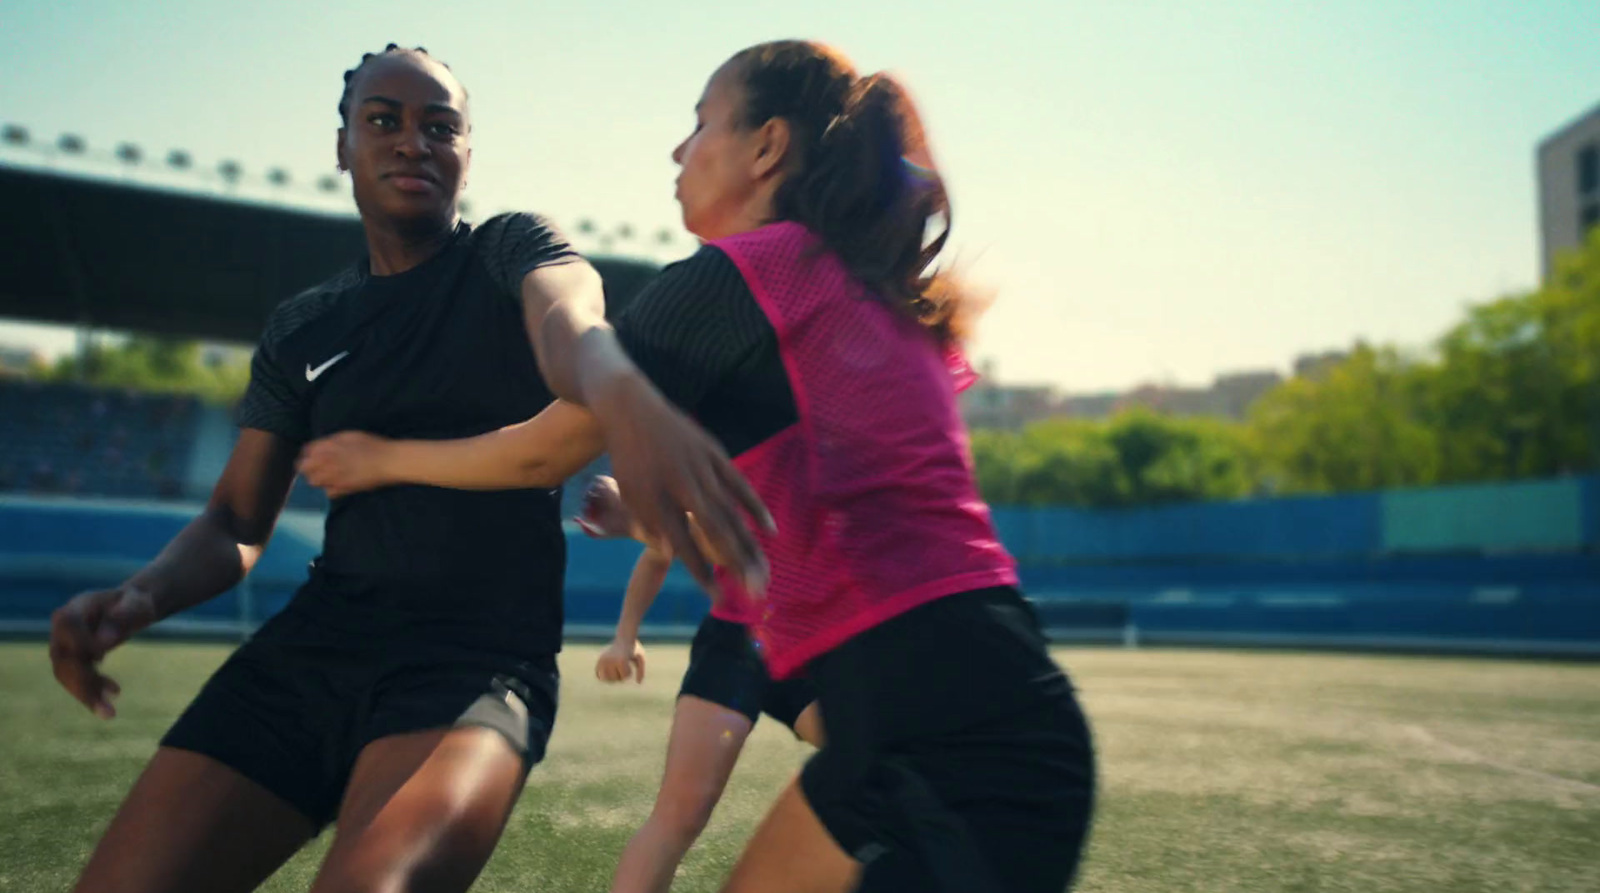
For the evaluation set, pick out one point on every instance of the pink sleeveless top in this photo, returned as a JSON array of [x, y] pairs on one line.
[[873, 491]]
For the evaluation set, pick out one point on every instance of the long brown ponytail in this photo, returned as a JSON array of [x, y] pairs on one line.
[[860, 176]]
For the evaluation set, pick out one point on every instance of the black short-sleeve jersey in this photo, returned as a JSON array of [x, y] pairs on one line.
[[438, 351], [697, 332]]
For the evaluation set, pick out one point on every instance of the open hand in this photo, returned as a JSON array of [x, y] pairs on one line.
[[668, 469], [84, 630]]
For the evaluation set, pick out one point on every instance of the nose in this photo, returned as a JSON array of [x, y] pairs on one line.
[[677, 153], [411, 144]]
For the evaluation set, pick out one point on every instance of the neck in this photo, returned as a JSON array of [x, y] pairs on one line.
[[395, 249], [752, 216]]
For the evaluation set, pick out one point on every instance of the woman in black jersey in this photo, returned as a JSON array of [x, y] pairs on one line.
[[411, 683]]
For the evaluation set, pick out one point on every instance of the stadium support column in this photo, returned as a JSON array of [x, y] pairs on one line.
[[83, 340]]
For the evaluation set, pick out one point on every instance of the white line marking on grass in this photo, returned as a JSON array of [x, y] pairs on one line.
[[1423, 735]]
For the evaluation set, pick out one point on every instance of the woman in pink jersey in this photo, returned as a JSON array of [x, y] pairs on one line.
[[811, 338]]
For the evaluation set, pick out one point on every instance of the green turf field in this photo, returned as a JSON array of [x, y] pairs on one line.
[[1221, 771]]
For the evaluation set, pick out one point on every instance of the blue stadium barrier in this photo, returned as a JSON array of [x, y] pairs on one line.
[[1591, 512], [53, 548], [1293, 572], [597, 578], [1529, 515], [1343, 525]]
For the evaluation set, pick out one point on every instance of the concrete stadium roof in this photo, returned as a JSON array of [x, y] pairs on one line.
[[111, 255]]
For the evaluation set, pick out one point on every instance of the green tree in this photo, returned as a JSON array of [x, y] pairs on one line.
[[1517, 389], [1512, 391], [1167, 459], [1069, 463], [1137, 458], [148, 363], [1357, 426]]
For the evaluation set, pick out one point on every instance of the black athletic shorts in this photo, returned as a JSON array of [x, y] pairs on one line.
[[725, 669], [293, 707], [957, 758]]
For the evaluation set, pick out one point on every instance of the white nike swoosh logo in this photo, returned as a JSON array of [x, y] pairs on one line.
[[312, 374]]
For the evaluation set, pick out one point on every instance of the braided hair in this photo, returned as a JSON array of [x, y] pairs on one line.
[[392, 49]]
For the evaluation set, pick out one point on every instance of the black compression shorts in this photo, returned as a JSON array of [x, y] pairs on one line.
[[293, 708], [957, 758], [725, 669]]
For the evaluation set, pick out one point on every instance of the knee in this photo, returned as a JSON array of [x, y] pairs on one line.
[[396, 876], [351, 878], [365, 872], [405, 867]]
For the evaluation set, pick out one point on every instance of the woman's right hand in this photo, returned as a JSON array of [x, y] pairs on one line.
[[84, 630], [670, 470], [619, 661]]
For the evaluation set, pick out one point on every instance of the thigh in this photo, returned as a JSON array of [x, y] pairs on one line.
[[793, 702], [701, 752], [725, 670], [791, 852], [808, 725], [423, 811], [191, 823], [278, 718], [443, 689]]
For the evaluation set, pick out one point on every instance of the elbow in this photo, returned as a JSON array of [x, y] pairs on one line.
[[240, 530], [540, 474]]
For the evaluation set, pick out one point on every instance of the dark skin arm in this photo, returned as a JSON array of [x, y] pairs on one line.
[[667, 466], [210, 555]]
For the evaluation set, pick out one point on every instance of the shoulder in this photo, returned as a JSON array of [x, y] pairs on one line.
[[704, 279], [782, 237], [514, 227], [510, 246], [709, 259], [295, 313]]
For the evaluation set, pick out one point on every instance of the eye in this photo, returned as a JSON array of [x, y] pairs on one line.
[[443, 131], [382, 119]]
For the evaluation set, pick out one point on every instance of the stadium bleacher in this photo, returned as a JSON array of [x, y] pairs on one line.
[[67, 439], [94, 481]]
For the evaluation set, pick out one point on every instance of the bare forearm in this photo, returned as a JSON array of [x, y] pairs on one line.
[[205, 559], [541, 452], [649, 574], [565, 312], [486, 462], [580, 356]]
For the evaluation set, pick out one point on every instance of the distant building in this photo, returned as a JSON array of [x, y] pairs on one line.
[[1229, 397], [990, 404], [1090, 406], [1170, 400], [1311, 365], [1569, 186], [1236, 392]]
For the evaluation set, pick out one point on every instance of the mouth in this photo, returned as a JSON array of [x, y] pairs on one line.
[[412, 181]]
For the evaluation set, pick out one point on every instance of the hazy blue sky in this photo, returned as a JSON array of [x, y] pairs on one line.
[[1158, 190]]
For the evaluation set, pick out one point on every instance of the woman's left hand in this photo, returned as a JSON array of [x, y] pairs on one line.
[[345, 463]]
